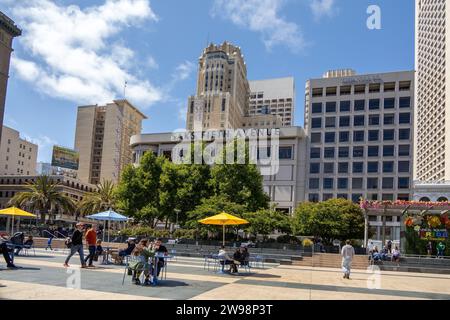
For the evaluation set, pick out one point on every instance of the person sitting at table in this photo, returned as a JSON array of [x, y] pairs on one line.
[[396, 255], [160, 250], [141, 264], [226, 260], [125, 252], [27, 244], [99, 251], [5, 251]]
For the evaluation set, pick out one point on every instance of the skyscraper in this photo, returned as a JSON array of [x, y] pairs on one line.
[[103, 139], [8, 30], [222, 97], [432, 119]]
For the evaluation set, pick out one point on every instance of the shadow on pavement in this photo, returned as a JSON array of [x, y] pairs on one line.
[[171, 283]]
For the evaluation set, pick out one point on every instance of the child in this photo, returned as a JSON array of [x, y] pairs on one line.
[[99, 251], [49, 243]]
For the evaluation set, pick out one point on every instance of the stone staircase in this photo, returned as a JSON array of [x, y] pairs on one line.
[[328, 260]]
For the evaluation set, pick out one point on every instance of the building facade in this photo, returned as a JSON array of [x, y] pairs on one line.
[[360, 136], [8, 31], [102, 139], [18, 157], [286, 187], [222, 98], [275, 97], [432, 120], [44, 168]]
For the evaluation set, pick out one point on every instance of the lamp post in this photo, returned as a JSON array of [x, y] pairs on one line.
[[177, 211]]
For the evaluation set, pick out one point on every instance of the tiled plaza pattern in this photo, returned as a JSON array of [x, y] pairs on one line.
[[43, 277]]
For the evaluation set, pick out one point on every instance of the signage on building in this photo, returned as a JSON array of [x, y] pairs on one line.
[[433, 234], [229, 134], [65, 158], [362, 80]]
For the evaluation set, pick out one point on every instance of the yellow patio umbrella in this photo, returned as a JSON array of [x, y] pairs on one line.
[[15, 212], [223, 219]]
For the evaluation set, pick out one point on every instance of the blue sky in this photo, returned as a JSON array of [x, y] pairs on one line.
[[78, 52]]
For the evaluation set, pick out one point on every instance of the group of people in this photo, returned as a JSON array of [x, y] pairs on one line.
[[240, 258], [16, 245], [75, 244], [386, 254], [143, 254], [440, 248]]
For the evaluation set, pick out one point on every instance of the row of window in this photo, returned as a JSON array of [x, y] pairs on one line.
[[356, 136], [360, 105], [359, 167], [358, 152], [360, 121], [358, 183], [361, 88], [355, 197]]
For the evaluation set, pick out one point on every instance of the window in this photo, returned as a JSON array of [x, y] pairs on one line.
[[328, 183], [358, 152], [389, 86], [358, 136], [387, 197], [358, 167], [343, 167], [285, 153], [330, 137], [372, 167], [342, 183], [317, 92], [403, 183], [404, 134], [330, 122], [316, 137], [316, 123], [388, 135], [372, 151], [224, 101], [372, 183], [357, 183], [313, 197], [327, 196], [192, 106], [356, 197], [360, 105], [345, 106], [314, 168], [315, 153], [358, 121], [317, 108], [388, 151], [329, 153], [328, 167], [344, 136], [388, 183], [388, 166], [360, 89], [374, 120], [374, 87], [403, 166], [342, 196], [389, 119], [374, 104], [331, 107], [389, 103], [404, 102], [345, 90], [403, 150], [344, 122], [314, 183], [404, 118], [331, 91], [344, 152], [404, 85], [374, 135]]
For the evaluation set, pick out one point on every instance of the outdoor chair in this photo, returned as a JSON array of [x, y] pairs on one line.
[[257, 261], [246, 265], [208, 260], [27, 248], [141, 271], [173, 253]]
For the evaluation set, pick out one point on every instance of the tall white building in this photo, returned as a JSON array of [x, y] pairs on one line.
[[432, 136], [273, 96], [17, 156], [360, 136]]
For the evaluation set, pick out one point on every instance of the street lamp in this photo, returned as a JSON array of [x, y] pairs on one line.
[[177, 211]]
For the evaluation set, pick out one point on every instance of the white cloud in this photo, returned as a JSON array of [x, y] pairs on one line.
[[322, 8], [70, 55], [151, 63], [184, 70], [262, 16], [45, 146]]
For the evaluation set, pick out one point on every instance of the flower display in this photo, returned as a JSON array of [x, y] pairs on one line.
[[433, 221], [409, 222], [447, 225]]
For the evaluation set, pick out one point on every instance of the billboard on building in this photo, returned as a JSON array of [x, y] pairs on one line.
[[65, 158]]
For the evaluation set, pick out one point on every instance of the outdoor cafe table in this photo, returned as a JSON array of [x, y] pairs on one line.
[[156, 259], [109, 250]]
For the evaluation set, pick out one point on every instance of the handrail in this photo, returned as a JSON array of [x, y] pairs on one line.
[[43, 231], [57, 232]]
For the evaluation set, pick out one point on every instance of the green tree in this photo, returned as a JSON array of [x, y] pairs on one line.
[[266, 221], [102, 199], [43, 195], [332, 219]]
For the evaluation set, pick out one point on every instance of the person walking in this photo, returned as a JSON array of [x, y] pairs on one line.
[[440, 249], [347, 253], [49, 243], [77, 245], [429, 249], [91, 240]]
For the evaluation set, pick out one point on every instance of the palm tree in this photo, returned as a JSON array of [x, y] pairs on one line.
[[102, 199], [43, 195]]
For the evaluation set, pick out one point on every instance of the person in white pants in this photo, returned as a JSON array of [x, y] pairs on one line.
[[347, 253]]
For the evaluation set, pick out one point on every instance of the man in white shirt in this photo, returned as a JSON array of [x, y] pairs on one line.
[[347, 253]]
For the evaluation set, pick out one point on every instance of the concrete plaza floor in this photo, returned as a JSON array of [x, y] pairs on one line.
[[43, 277]]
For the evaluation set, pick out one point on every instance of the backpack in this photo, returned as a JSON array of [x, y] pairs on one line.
[[68, 243]]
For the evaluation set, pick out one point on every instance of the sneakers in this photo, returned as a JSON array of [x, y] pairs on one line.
[[11, 266], [84, 266], [66, 265]]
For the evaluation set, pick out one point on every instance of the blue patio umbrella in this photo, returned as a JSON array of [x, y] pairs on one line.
[[109, 215]]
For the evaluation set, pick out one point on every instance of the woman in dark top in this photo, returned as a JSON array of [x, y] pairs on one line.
[[77, 245]]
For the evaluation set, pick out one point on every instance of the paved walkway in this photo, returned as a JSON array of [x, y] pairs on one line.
[[43, 277]]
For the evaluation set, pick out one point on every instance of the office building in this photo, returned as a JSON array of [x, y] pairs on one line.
[[103, 139], [360, 136], [8, 31], [273, 96], [17, 156]]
